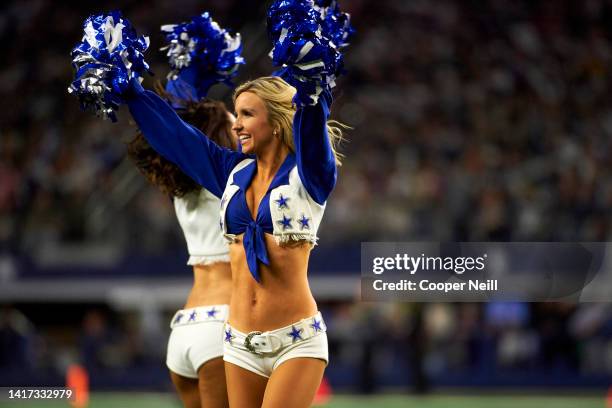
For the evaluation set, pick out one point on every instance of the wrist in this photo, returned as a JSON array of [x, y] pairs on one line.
[[134, 89]]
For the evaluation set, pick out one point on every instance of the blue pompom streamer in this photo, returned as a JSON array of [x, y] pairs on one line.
[[201, 54], [336, 25], [307, 38], [107, 58], [298, 17]]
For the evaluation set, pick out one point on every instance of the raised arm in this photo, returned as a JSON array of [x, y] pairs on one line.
[[201, 159], [315, 158]]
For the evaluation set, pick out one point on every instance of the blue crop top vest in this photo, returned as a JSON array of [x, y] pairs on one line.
[[211, 166]]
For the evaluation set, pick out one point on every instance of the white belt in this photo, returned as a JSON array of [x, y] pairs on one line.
[[271, 342], [213, 313]]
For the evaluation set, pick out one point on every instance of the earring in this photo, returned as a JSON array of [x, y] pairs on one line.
[[275, 133]]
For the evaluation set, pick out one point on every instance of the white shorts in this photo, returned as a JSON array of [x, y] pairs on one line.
[[196, 337], [262, 353]]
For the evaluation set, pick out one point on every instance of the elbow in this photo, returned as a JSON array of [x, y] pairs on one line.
[[331, 173], [326, 185], [333, 178], [332, 182]]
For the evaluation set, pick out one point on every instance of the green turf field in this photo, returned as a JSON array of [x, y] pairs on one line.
[[145, 400]]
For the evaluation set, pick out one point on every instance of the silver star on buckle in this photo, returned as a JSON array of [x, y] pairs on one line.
[[247, 342]]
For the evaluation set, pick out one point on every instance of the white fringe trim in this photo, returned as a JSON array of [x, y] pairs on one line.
[[207, 259], [284, 239], [230, 238]]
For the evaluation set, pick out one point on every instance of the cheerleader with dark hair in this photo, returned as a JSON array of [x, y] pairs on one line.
[[201, 54], [195, 347]]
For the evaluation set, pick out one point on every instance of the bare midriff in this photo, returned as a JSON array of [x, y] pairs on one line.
[[212, 285], [282, 297]]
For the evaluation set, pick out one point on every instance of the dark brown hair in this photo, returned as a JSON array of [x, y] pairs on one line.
[[211, 117]]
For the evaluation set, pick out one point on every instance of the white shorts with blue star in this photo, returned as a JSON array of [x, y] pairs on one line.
[[262, 353], [196, 338]]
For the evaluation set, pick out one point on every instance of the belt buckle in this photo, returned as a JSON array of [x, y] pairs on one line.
[[247, 342]]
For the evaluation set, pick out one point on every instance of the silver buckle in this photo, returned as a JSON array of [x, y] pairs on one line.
[[247, 342]]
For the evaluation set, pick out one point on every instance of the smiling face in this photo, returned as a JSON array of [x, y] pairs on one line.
[[252, 125]]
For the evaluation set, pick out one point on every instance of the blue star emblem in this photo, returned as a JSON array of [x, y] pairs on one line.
[[178, 318], [316, 325], [192, 316], [285, 222], [296, 334], [228, 335], [304, 222], [282, 202], [212, 312]]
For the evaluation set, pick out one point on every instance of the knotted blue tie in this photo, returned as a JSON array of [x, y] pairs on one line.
[[255, 248]]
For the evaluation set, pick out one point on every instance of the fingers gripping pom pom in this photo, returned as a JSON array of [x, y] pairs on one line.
[[201, 53], [107, 58], [307, 39]]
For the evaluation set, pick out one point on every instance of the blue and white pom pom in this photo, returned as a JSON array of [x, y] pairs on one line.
[[307, 39], [107, 58], [336, 25], [202, 54]]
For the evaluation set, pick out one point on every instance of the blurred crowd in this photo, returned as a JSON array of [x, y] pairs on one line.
[[477, 120], [472, 120], [372, 346], [428, 345]]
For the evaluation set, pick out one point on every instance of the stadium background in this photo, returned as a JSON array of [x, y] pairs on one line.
[[473, 121]]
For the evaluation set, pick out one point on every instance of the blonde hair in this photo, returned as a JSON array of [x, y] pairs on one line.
[[277, 96]]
